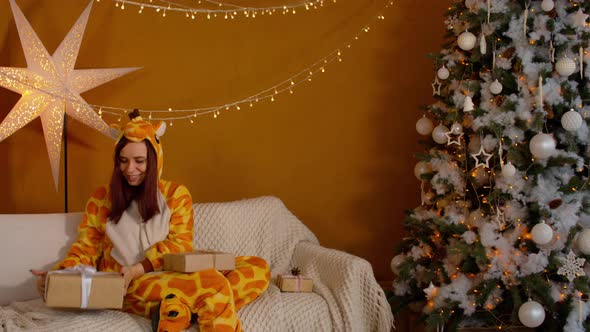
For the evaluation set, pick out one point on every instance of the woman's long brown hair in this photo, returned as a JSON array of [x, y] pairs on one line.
[[145, 194]]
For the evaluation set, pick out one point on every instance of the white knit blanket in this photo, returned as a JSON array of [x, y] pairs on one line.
[[35, 316], [262, 227]]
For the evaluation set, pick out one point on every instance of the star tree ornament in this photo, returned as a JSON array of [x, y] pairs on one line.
[[436, 85], [455, 135], [578, 19], [484, 156], [571, 266], [51, 86]]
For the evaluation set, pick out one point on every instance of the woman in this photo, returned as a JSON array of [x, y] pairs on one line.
[[129, 225]]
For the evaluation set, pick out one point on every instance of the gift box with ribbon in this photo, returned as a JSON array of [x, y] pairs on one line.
[[83, 287], [294, 283], [199, 260]]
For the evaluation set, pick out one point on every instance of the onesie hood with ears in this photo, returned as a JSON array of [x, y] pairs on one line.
[[138, 130]]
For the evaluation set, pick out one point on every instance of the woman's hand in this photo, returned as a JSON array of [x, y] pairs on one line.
[[131, 272], [41, 276]]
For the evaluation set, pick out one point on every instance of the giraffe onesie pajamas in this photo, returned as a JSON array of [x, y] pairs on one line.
[[211, 296]]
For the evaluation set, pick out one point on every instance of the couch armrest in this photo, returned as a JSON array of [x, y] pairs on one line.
[[347, 283]]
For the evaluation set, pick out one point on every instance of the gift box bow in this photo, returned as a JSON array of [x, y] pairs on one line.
[[86, 273]]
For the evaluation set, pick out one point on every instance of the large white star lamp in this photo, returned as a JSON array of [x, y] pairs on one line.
[[51, 86]]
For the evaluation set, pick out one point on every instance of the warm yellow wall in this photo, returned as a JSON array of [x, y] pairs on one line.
[[338, 152]]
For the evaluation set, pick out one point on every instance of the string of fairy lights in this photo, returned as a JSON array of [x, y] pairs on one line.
[[269, 94], [214, 9]]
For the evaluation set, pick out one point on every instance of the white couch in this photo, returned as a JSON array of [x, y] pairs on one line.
[[346, 296]]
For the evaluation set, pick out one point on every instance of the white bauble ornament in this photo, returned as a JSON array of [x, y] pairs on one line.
[[438, 134], [466, 41], [456, 128], [571, 120], [542, 146], [531, 314], [468, 104], [424, 126], [565, 66], [420, 168], [396, 261], [547, 5], [508, 170], [443, 73], [542, 233], [583, 241], [496, 87]]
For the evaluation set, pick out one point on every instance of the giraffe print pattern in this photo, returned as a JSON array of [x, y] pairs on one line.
[[93, 247], [249, 279], [212, 296], [138, 130]]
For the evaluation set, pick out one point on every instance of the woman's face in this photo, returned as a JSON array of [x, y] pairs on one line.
[[133, 162]]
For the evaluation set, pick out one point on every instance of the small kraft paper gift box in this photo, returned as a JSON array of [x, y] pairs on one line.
[[84, 288], [294, 282], [199, 260]]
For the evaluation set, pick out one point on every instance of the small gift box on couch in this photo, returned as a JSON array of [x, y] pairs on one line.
[[199, 260], [294, 282], [83, 287]]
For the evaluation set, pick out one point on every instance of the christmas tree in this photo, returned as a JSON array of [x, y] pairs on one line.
[[502, 236]]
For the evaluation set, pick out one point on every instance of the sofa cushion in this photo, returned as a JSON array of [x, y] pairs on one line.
[[32, 241]]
